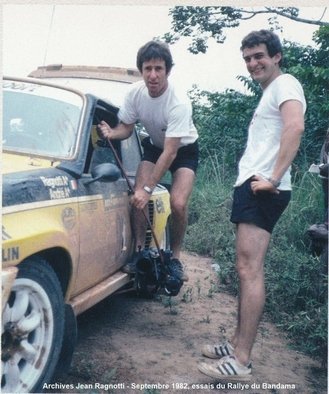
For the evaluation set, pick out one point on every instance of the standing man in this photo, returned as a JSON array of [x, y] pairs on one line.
[[262, 192], [171, 145]]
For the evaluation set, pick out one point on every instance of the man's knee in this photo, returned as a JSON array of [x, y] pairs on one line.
[[178, 206], [249, 269]]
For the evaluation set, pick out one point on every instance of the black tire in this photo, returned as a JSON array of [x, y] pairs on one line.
[[32, 328], [70, 337]]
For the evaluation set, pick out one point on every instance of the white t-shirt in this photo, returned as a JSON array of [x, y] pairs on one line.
[[169, 115], [265, 130]]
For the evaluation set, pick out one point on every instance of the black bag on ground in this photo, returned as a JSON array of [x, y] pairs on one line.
[[155, 274]]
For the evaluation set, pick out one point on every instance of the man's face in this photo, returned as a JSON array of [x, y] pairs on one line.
[[155, 76], [262, 68]]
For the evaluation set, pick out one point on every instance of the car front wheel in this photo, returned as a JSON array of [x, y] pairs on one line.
[[32, 328]]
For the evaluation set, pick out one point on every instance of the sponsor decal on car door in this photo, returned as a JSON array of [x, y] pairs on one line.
[[104, 231]]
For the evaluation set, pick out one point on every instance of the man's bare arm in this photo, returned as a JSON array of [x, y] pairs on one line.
[[120, 132], [293, 128]]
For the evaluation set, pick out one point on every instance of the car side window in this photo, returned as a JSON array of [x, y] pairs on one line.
[[131, 154], [99, 150]]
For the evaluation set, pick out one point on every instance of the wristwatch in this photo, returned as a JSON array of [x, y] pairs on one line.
[[275, 183], [148, 189]]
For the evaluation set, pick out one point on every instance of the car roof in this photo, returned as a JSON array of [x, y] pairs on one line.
[[120, 74], [109, 83]]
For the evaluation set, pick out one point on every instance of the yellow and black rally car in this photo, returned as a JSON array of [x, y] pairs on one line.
[[66, 226]]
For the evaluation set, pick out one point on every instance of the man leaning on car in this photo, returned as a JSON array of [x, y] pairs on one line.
[[171, 145]]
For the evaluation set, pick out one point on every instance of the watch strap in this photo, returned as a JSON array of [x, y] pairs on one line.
[[274, 182]]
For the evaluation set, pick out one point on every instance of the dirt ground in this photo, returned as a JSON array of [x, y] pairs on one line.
[[132, 345]]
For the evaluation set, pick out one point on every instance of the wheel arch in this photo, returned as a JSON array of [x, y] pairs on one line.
[[61, 262]]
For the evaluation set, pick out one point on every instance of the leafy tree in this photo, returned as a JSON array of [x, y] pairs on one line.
[[310, 66], [222, 120], [202, 23]]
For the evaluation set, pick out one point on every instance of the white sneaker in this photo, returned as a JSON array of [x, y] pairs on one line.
[[218, 351], [228, 368]]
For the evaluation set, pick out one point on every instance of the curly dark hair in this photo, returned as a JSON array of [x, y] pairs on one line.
[[267, 37], [154, 50]]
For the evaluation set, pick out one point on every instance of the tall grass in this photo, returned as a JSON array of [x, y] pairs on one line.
[[296, 281]]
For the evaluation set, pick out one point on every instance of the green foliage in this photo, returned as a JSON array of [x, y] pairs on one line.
[[202, 23], [296, 281], [222, 120], [310, 66]]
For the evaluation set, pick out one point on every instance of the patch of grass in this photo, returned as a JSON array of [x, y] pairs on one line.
[[213, 289], [170, 303], [206, 320], [188, 295]]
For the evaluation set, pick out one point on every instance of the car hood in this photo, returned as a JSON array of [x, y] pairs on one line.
[[34, 181], [12, 162]]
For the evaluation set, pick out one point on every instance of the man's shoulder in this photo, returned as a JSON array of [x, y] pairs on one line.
[[286, 83], [289, 88], [178, 95], [287, 79], [135, 93], [138, 86]]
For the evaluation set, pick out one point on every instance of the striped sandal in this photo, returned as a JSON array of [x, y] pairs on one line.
[[227, 369], [218, 351]]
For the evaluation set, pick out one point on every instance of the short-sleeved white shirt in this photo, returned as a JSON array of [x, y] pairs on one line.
[[169, 115], [265, 130]]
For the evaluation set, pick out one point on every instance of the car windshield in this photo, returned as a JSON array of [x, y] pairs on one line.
[[40, 119]]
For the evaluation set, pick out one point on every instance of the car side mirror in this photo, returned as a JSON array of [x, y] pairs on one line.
[[106, 172]]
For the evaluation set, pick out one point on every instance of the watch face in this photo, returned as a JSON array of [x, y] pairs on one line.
[[147, 189]]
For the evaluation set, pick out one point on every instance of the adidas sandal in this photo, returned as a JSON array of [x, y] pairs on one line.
[[218, 351], [228, 368]]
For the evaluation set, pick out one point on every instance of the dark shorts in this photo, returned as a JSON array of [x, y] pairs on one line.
[[262, 209], [187, 156]]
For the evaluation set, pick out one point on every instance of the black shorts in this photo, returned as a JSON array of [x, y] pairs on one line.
[[262, 209], [187, 156]]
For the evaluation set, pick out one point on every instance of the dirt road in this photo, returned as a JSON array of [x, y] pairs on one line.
[[126, 342]]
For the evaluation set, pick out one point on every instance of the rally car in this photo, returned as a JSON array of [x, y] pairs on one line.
[[66, 224]]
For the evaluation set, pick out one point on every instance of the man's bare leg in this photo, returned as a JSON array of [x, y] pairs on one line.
[[251, 246], [182, 185]]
